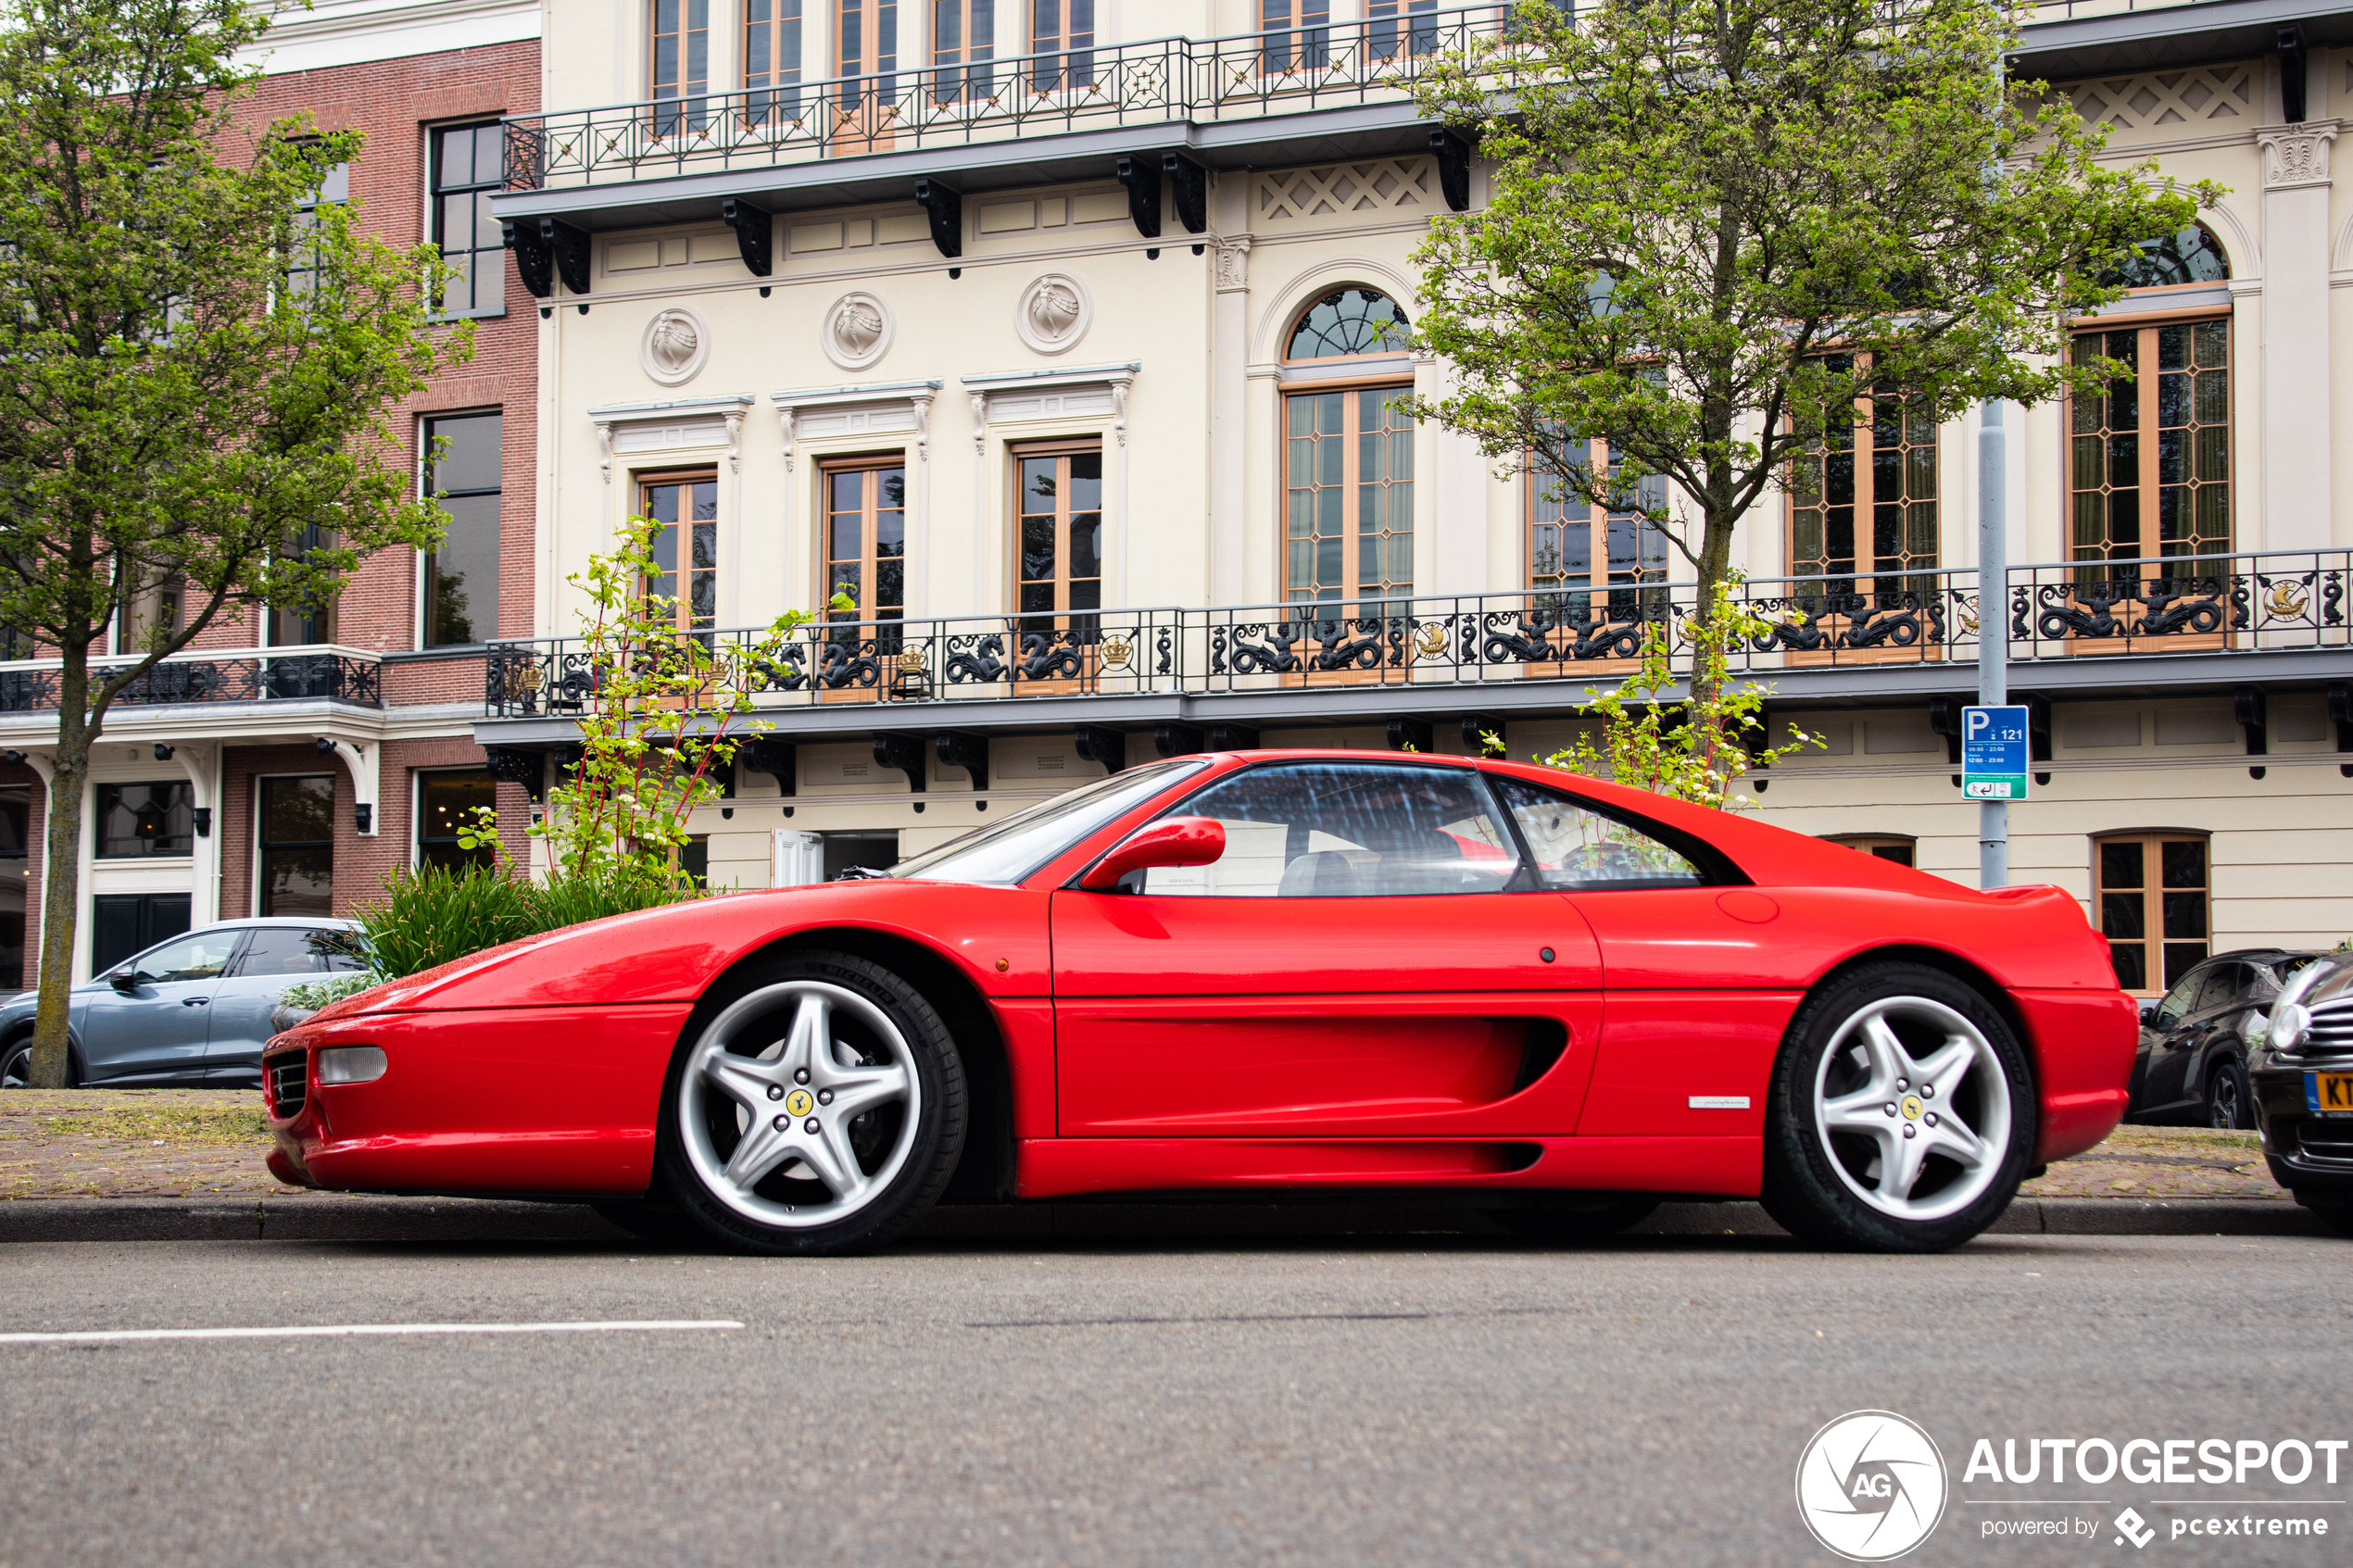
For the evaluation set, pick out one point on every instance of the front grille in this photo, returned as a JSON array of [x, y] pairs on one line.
[[2331, 1141], [289, 1086], [2332, 1027]]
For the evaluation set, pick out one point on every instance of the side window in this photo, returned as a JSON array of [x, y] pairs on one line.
[[2224, 984], [2179, 1000], [1578, 849], [202, 957], [285, 949], [1345, 829]]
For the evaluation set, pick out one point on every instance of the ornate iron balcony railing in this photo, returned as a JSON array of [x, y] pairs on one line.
[[1245, 75], [2268, 602], [311, 673]]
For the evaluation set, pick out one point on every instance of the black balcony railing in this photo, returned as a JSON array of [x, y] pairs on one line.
[[1246, 76], [304, 675], [2268, 602]]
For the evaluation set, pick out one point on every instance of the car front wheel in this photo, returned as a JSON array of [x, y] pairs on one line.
[[1901, 1115], [821, 1108], [16, 1065], [2226, 1095]]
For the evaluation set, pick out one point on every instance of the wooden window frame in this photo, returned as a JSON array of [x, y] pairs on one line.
[[1294, 35], [1908, 569], [1062, 613], [1599, 585], [867, 612], [2149, 484], [2158, 959], [1299, 318], [685, 85], [1393, 598], [683, 572], [770, 33], [877, 25], [1872, 843], [1065, 52], [963, 70]]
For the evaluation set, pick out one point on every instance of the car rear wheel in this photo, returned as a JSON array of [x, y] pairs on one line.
[[2227, 1100], [1577, 1216], [16, 1065], [817, 1105], [1901, 1115]]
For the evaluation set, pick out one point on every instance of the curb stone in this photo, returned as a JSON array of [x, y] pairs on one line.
[[322, 1217]]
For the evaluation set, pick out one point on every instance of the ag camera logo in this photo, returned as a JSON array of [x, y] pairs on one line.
[[1872, 1486]]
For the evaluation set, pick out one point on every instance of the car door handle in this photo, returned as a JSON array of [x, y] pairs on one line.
[[196, 1001]]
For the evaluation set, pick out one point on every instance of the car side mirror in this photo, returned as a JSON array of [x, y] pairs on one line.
[[2148, 1008], [124, 980], [1172, 841]]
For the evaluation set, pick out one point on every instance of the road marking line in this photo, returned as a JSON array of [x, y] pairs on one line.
[[629, 1325]]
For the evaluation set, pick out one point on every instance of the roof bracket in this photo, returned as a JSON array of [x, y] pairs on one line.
[[514, 764], [2248, 708], [968, 752], [774, 758], [1233, 737], [1944, 718], [1189, 182], [1098, 743], [570, 247], [532, 261], [2340, 714], [1476, 728], [1142, 179], [2292, 73], [1412, 734], [2038, 732], [1177, 740], [753, 233], [1454, 150], [903, 754], [946, 205]]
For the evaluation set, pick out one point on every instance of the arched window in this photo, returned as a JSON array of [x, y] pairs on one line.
[[2191, 256], [1348, 463], [1346, 322]]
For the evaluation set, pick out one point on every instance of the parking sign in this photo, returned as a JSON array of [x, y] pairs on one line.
[[1994, 753]]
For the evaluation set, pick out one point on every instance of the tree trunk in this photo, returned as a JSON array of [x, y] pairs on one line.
[[61, 878]]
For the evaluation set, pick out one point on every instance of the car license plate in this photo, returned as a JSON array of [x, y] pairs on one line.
[[2329, 1094]]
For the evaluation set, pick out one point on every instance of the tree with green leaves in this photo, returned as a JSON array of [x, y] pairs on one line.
[[1716, 229], [198, 360]]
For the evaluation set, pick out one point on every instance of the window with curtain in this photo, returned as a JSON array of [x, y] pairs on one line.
[[772, 62], [466, 173], [685, 547], [1862, 496], [1062, 33], [964, 41], [866, 548], [461, 572], [680, 57], [1296, 35], [2149, 457]]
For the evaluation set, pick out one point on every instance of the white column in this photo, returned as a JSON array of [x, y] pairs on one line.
[[2295, 514], [204, 871], [1229, 423]]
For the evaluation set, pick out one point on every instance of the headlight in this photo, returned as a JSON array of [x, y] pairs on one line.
[[351, 1065], [2290, 1018]]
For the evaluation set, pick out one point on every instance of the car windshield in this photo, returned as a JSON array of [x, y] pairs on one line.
[[1019, 845]]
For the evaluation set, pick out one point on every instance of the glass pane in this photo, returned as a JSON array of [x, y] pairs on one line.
[[461, 576], [2181, 957], [299, 811], [1580, 849], [447, 803], [2122, 916], [2185, 915], [298, 881], [1345, 829], [2185, 861], [2131, 960], [202, 957]]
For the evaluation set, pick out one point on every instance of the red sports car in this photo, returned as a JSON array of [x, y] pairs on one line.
[[1263, 972]]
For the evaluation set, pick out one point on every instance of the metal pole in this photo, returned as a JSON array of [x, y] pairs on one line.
[[1992, 623]]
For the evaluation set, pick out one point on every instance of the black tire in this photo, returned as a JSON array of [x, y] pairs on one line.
[[16, 1064], [2228, 1102], [1577, 1216], [1815, 1186], [775, 1215], [2334, 1212]]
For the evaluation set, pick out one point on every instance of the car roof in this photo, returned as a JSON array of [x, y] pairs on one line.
[[298, 922]]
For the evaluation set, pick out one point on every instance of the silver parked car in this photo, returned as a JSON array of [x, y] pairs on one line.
[[2300, 1063], [193, 1011]]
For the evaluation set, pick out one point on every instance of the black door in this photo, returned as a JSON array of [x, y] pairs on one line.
[[124, 924]]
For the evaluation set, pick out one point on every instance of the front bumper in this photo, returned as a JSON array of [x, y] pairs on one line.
[[2310, 1154], [547, 1101]]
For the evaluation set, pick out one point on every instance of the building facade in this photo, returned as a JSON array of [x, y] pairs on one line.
[[1067, 342], [283, 763]]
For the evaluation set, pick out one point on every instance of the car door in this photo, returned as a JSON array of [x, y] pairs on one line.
[[1695, 969], [2174, 1053], [1363, 958], [152, 1020], [273, 958]]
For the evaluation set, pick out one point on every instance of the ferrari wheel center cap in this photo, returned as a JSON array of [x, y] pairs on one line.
[[1912, 1108], [800, 1102]]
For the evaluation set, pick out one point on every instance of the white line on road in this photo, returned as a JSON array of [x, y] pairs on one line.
[[320, 1331]]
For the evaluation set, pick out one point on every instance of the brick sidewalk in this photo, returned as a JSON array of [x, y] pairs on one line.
[[209, 1143]]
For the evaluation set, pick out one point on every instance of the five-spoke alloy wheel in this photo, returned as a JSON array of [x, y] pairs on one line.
[[1901, 1115], [816, 1106]]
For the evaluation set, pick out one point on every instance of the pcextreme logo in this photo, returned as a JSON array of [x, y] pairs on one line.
[[1872, 1486]]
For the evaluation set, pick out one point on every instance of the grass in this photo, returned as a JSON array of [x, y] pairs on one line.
[[216, 1118]]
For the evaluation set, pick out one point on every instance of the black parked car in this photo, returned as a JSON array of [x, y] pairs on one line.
[[2300, 1063], [2192, 1065]]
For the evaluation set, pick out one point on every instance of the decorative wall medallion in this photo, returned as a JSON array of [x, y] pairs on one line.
[[1053, 313], [676, 346], [857, 331]]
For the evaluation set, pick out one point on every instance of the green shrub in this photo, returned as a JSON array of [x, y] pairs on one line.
[[571, 899], [434, 914]]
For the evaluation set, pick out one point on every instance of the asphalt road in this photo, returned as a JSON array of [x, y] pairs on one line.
[[1313, 1400]]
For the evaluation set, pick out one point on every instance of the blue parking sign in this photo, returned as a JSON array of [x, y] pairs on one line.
[[1994, 753]]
